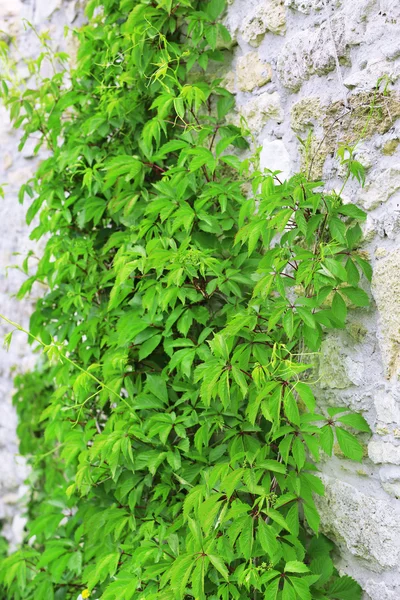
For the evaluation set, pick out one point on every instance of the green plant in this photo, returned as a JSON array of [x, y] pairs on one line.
[[173, 430]]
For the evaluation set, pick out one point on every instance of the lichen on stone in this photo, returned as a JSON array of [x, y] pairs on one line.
[[269, 15], [305, 113], [252, 72], [390, 147], [367, 113]]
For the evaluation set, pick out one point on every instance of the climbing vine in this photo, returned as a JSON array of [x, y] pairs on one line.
[[171, 422]]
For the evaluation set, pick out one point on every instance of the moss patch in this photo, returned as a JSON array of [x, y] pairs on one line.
[[341, 124], [390, 147]]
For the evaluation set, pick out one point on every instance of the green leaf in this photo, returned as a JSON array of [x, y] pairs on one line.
[[306, 316], [288, 592], [351, 210], [271, 591], [306, 395], [301, 587], [356, 421], [219, 564], [326, 439], [267, 538], [345, 588], [349, 444], [356, 295], [295, 566], [149, 346], [339, 308], [312, 517]]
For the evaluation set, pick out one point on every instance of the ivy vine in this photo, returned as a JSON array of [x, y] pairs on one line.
[[171, 426]]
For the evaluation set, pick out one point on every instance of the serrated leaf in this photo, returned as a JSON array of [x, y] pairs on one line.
[[219, 564], [295, 566], [349, 444], [356, 421], [356, 295]]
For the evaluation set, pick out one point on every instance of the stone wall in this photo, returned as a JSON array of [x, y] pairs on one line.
[[15, 169], [305, 74]]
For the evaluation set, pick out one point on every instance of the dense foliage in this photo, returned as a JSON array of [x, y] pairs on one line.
[[172, 422]]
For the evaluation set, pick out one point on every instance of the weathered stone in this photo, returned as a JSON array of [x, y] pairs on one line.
[[384, 453], [45, 8], [377, 590], [390, 147], [306, 6], [275, 157], [308, 53], [390, 478], [386, 291], [387, 406], [305, 113], [336, 369], [10, 8], [270, 15], [252, 72], [367, 78], [72, 10], [367, 527], [261, 109], [366, 114]]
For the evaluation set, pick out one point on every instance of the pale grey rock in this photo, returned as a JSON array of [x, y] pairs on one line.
[[268, 15], [260, 109], [252, 72], [306, 6], [386, 292], [307, 53], [367, 527], [275, 157], [72, 10], [384, 453], [387, 406], [367, 78], [378, 590], [44, 9], [390, 478], [381, 188], [318, 50]]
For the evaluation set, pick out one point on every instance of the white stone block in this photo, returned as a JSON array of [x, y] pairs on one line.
[[275, 157]]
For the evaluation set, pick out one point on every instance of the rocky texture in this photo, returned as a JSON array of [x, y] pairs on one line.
[[334, 79], [15, 169], [252, 72], [260, 109], [275, 157], [387, 298], [343, 510], [269, 15]]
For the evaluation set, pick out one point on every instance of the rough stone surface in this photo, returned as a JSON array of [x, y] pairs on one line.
[[335, 80], [260, 109], [269, 15], [252, 72], [386, 290], [275, 157], [343, 518], [15, 169], [382, 188]]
